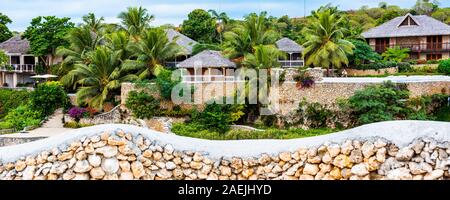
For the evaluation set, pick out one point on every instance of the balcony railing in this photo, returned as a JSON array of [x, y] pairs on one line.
[[291, 63], [207, 78], [18, 68], [415, 47]]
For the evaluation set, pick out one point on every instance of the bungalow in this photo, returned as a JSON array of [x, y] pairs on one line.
[[426, 37], [206, 66], [184, 42], [21, 65], [293, 53]]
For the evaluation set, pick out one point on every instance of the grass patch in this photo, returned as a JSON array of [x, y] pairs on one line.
[[194, 130]]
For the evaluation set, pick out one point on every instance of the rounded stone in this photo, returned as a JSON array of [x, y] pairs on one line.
[[110, 165]]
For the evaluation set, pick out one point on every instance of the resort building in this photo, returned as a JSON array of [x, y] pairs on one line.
[[293, 53], [206, 66], [426, 37], [21, 65], [184, 42]]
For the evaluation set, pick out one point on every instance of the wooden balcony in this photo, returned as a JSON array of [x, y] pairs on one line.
[[206, 78], [26, 68], [416, 47]]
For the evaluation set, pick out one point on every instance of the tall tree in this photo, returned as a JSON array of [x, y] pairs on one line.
[[100, 78], [265, 56], [94, 23], [252, 32], [46, 34], [135, 20], [425, 7], [199, 26], [326, 46], [151, 51], [222, 20], [442, 14], [5, 33]]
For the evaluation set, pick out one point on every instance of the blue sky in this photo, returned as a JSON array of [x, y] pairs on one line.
[[170, 11]]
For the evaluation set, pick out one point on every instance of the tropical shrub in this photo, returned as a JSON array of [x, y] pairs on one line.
[[11, 99], [142, 105], [77, 113], [396, 54], [404, 67], [3, 58], [379, 103], [375, 65], [218, 117], [21, 117], [165, 83], [362, 53], [444, 67], [47, 97], [304, 79]]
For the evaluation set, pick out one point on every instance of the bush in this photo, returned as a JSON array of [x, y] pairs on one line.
[[142, 105], [74, 124], [218, 117], [21, 117], [379, 103], [404, 67], [444, 67], [49, 96], [165, 83], [77, 113], [11, 99], [376, 65], [304, 79]]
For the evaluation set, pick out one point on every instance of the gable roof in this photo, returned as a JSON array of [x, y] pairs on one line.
[[426, 25], [207, 58], [15, 45], [289, 46], [183, 41]]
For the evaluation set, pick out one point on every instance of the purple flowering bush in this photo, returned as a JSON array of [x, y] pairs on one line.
[[77, 113]]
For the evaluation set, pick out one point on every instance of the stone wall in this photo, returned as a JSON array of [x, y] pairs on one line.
[[396, 150], [371, 72]]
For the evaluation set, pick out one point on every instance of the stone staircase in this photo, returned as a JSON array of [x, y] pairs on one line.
[[55, 120]]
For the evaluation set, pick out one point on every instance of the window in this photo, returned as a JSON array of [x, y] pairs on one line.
[[381, 44], [434, 56], [434, 42], [409, 21]]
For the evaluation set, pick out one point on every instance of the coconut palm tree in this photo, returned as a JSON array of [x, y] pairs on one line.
[[325, 44], [265, 56], [101, 77], [151, 50], [119, 41], [222, 21], [81, 42], [135, 20], [252, 32], [96, 25]]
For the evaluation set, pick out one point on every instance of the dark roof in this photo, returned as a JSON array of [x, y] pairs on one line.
[[288, 45], [205, 59], [16, 45], [183, 41], [425, 26]]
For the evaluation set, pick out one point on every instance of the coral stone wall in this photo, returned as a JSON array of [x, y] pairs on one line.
[[371, 72], [125, 152]]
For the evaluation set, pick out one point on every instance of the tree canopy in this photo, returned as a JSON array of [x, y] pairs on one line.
[[5, 33], [200, 26]]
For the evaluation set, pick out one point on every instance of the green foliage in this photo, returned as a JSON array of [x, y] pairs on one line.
[[379, 65], [47, 33], [444, 66], [11, 99], [218, 117], [379, 103], [3, 58], [5, 33], [21, 117], [135, 21], [74, 124], [363, 53], [264, 56], [48, 97], [196, 130], [442, 14], [165, 83], [142, 105], [199, 47], [325, 45], [396, 54], [200, 26]]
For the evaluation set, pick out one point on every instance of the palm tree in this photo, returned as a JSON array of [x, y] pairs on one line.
[[101, 77], [326, 46], [222, 21], [265, 56], [119, 41], [135, 20], [396, 54], [96, 25], [81, 42], [254, 31], [151, 50]]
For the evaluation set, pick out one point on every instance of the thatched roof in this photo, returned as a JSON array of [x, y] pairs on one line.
[[289, 46], [426, 26], [15, 45], [183, 41], [205, 59]]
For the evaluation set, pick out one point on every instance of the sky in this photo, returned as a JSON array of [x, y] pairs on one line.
[[171, 11]]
